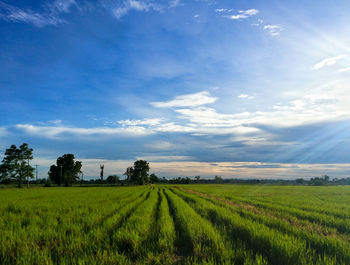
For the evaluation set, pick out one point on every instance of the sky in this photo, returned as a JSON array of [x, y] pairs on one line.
[[243, 89]]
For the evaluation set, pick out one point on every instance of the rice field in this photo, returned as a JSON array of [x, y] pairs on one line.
[[178, 224]]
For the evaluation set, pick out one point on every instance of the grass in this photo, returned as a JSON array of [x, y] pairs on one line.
[[178, 224]]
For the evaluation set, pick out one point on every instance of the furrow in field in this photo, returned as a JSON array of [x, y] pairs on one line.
[[277, 247], [98, 241], [320, 207], [319, 222], [166, 234], [206, 243], [246, 209], [182, 242], [310, 203], [129, 238], [236, 251], [318, 242], [149, 243], [124, 201]]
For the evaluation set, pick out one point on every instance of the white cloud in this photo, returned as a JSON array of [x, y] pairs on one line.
[[274, 30], [188, 100], [56, 131], [175, 3], [48, 17], [172, 127], [15, 14], [62, 5], [120, 11], [245, 96], [244, 14], [161, 145], [150, 122], [220, 10], [141, 5], [327, 62], [196, 16], [344, 70], [328, 103], [165, 158]]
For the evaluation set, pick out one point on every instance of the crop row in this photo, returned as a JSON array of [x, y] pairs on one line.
[[163, 225]]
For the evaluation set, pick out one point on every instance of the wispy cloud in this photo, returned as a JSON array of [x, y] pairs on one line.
[[56, 131], [62, 5], [245, 96], [258, 22], [220, 10], [327, 62], [149, 122], [189, 100], [15, 14], [242, 14], [48, 17], [274, 30], [344, 70], [128, 5], [175, 3]]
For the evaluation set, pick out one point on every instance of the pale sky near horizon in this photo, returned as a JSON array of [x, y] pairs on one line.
[[231, 88]]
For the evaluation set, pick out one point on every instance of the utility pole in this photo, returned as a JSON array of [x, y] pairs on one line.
[[101, 173], [82, 178], [28, 174], [36, 172], [60, 175]]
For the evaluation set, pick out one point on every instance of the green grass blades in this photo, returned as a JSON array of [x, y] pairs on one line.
[[178, 224]]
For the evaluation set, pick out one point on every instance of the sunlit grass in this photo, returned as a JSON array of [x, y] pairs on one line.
[[183, 224]]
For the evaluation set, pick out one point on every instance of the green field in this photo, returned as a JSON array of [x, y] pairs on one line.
[[184, 224]]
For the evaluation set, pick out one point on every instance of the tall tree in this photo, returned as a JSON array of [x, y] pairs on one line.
[[141, 168], [66, 171], [139, 173], [15, 164]]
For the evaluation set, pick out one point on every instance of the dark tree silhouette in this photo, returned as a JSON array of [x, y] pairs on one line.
[[139, 173], [129, 173], [218, 179], [113, 179], [66, 171], [141, 168], [15, 164], [153, 178]]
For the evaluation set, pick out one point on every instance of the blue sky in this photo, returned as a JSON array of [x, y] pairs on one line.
[[234, 88]]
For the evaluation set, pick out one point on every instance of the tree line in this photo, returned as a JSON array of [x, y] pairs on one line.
[[15, 167]]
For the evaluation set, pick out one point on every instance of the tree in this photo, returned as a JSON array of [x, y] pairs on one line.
[[15, 164], [139, 173], [326, 178], [66, 170], [197, 178], [141, 168], [129, 173], [218, 179], [113, 179], [153, 178], [300, 181]]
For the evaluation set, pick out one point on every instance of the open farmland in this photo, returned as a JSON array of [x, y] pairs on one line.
[[193, 224]]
